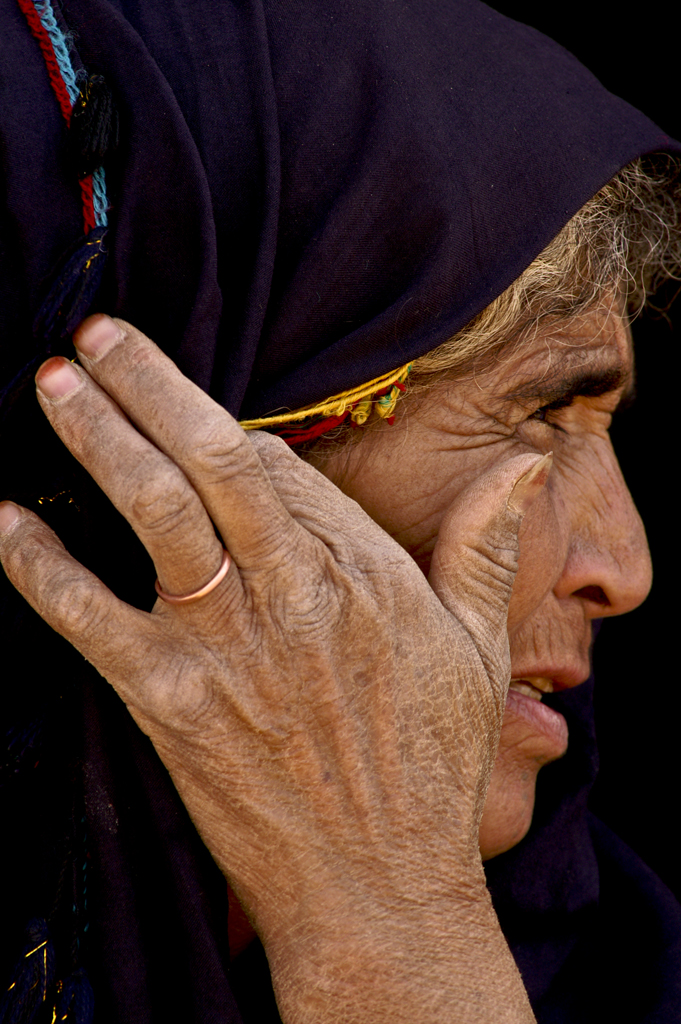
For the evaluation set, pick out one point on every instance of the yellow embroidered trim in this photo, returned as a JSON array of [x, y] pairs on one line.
[[339, 404]]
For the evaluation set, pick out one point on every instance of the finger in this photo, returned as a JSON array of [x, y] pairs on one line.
[[112, 635], [319, 505], [475, 559], [197, 434], [151, 492]]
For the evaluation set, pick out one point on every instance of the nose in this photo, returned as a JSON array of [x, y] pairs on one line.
[[608, 562]]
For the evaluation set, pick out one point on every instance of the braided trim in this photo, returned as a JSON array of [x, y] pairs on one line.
[[100, 201], [60, 47], [64, 81], [28, 8], [344, 402], [88, 204]]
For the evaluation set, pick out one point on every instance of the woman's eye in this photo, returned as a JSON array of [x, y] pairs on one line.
[[543, 413]]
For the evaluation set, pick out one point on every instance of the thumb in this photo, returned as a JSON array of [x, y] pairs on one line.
[[475, 559]]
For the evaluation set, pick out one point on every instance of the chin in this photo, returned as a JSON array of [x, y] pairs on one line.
[[532, 735]]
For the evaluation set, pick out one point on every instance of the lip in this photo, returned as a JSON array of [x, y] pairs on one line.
[[541, 719], [530, 714], [563, 677]]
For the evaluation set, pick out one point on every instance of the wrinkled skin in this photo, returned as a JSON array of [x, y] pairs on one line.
[[330, 717], [584, 553]]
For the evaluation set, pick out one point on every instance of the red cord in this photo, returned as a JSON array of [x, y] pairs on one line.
[[88, 204], [309, 434], [59, 88], [45, 43]]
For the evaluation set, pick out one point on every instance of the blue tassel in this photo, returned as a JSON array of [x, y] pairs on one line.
[[76, 1001], [73, 291], [32, 977]]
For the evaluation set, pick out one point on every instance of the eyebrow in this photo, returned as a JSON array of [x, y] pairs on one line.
[[560, 390]]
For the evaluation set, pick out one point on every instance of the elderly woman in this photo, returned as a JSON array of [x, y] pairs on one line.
[[408, 241]]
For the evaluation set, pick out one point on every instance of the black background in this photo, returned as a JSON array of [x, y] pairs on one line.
[[638, 696]]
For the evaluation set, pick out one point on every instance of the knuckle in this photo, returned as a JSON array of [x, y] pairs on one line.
[[221, 455], [271, 449], [73, 606], [308, 603], [25, 549], [159, 499], [56, 586], [138, 355]]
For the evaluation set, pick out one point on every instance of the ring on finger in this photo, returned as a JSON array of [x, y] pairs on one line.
[[202, 591]]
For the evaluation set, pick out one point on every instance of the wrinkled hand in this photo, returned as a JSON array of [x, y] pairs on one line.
[[329, 718]]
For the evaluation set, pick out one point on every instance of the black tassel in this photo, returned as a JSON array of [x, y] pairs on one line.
[[76, 1000], [76, 282], [94, 126], [32, 977]]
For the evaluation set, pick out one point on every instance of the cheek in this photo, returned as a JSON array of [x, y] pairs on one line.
[[406, 482], [544, 541]]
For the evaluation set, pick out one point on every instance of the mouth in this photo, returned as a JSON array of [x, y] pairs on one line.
[[526, 712], [532, 686]]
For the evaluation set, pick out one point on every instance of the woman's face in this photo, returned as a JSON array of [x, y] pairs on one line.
[[583, 551]]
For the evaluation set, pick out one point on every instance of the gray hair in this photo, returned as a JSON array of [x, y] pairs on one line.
[[623, 243]]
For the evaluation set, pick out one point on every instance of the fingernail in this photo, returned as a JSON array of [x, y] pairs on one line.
[[57, 377], [9, 516], [96, 336], [530, 485]]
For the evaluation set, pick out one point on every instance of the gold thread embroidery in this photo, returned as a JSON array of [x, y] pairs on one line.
[[339, 404], [42, 944]]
